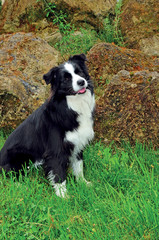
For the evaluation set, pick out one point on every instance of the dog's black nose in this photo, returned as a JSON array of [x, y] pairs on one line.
[[81, 82]]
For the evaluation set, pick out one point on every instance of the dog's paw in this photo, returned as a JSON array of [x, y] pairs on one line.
[[61, 194], [85, 181], [60, 189], [89, 184]]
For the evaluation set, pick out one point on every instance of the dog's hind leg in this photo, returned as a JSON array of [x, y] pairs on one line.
[[13, 160]]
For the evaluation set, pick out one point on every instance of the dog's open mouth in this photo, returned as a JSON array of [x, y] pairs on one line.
[[81, 91]]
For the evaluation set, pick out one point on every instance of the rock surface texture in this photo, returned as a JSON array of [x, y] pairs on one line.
[[140, 25], [105, 60], [128, 109], [24, 59], [97, 7], [127, 106], [24, 15]]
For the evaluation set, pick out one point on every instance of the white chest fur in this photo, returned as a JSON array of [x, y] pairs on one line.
[[84, 105]]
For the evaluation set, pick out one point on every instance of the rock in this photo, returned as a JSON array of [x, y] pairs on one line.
[[23, 15], [128, 109], [105, 60], [96, 7], [139, 25], [19, 15], [51, 35], [127, 106], [150, 45], [24, 58]]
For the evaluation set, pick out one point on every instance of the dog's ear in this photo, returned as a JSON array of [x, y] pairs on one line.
[[80, 57], [51, 76]]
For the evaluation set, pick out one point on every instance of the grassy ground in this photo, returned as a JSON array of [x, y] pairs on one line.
[[122, 203]]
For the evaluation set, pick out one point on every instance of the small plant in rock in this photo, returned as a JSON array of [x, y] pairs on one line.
[[117, 32], [111, 31], [58, 17]]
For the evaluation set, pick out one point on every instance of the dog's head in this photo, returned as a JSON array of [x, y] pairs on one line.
[[69, 78]]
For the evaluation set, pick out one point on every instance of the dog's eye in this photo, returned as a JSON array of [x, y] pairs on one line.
[[77, 71], [67, 76]]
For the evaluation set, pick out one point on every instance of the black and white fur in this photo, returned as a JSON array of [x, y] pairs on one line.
[[55, 135]]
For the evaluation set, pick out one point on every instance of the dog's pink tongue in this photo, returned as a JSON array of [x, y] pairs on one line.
[[82, 90]]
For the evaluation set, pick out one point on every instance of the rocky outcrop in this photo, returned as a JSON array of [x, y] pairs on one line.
[[140, 25], [127, 94], [24, 59], [24, 15]]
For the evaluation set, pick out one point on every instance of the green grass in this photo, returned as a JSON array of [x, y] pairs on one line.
[[72, 43], [2, 139], [122, 202]]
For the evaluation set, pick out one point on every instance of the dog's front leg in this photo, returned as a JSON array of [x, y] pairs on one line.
[[60, 188], [77, 167], [55, 169]]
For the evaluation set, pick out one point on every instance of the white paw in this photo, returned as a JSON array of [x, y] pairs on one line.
[[87, 182], [60, 189]]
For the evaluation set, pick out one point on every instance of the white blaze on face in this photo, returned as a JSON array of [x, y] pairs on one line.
[[75, 78]]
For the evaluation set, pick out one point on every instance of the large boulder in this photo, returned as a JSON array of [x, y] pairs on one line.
[[140, 25], [129, 108], [127, 94], [24, 59]]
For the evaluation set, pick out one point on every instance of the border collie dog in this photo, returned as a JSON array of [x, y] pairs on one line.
[[55, 135]]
